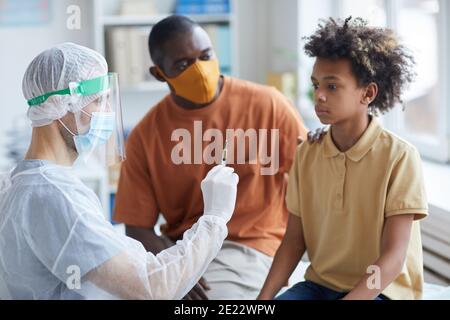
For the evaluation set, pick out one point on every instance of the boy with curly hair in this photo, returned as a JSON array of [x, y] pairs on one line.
[[355, 198]]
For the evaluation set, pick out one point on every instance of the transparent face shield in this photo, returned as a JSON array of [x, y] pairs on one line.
[[97, 129]]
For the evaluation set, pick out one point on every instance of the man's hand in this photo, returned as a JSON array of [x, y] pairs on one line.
[[198, 291], [315, 136]]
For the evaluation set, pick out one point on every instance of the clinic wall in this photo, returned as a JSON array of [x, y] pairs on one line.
[[19, 45], [253, 42], [267, 37], [283, 35]]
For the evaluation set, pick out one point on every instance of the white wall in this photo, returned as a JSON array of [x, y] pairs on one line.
[[283, 35], [252, 19], [264, 27], [19, 45]]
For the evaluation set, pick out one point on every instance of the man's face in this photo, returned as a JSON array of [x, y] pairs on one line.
[[184, 50], [337, 95]]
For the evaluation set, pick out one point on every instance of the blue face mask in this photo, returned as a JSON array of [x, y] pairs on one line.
[[102, 127]]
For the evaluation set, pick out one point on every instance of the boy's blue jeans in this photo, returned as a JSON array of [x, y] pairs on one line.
[[308, 290]]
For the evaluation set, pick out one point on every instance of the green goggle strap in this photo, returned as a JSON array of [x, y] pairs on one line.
[[82, 88]]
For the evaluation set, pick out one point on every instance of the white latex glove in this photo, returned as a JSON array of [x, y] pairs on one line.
[[219, 192]]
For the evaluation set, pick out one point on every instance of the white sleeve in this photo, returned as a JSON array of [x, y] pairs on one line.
[[65, 229], [67, 236], [137, 274]]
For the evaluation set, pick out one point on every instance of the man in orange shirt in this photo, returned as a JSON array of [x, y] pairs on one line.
[[172, 148]]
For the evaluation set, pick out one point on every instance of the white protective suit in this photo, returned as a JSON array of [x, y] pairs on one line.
[[56, 244]]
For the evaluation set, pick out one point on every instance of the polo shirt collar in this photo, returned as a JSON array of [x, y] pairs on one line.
[[360, 149]]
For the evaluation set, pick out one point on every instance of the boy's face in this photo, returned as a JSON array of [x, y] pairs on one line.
[[337, 96]]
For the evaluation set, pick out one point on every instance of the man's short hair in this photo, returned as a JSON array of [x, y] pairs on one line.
[[164, 31]]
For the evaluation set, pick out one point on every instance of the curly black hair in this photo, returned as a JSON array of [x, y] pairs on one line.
[[375, 55]]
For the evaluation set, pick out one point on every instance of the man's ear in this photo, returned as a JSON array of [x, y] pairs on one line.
[[155, 73], [370, 93]]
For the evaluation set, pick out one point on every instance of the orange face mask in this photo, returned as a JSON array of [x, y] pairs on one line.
[[198, 83]]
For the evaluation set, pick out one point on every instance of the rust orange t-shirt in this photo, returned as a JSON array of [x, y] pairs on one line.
[[153, 181]]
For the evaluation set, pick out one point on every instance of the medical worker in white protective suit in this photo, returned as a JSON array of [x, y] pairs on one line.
[[52, 229]]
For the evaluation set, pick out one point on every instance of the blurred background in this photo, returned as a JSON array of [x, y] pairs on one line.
[[256, 40]]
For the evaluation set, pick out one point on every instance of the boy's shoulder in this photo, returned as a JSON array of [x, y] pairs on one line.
[[387, 142], [309, 151], [391, 142]]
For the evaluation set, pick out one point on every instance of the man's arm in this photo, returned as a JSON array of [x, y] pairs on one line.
[[149, 239], [286, 259], [394, 245]]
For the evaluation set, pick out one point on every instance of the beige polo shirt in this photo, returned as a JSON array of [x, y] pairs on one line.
[[343, 199]]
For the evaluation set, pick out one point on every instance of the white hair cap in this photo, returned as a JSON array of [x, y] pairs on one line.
[[53, 70]]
